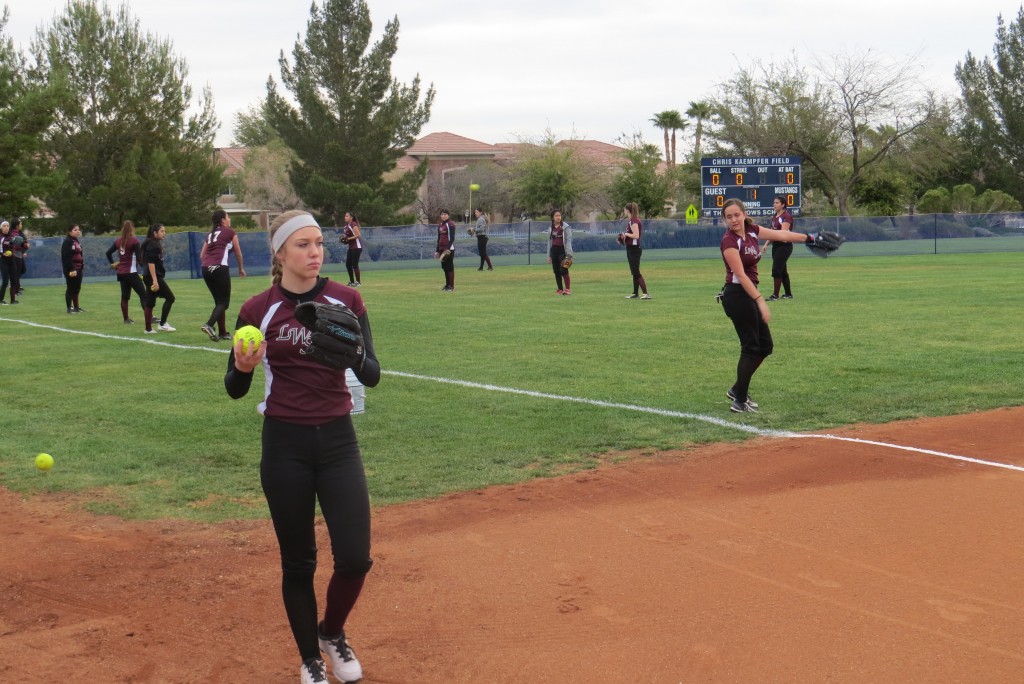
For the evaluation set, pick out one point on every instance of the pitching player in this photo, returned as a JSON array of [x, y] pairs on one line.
[[310, 452], [220, 242], [445, 250], [631, 238], [153, 278], [781, 251], [559, 247], [129, 254], [73, 265], [352, 236], [743, 303]]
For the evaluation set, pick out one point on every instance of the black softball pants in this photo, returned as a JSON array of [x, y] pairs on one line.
[[165, 292], [74, 286], [781, 251], [633, 254], [755, 337], [10, 275], [481, 247], [303, 464], [352, 264], [557, 257], [129, 282], [218, 281]]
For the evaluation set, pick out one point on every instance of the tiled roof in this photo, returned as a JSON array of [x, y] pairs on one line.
[[231, 158], [449, 144]]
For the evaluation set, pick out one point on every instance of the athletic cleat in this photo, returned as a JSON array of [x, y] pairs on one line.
[[210, 332], [128, 321], [3, 303], [633, 296], [358, 284], [344, 665], [566, 291], [15, 301], [745, 407], [151, 332], [559, 291], [773, 298], [71, 311], [313, 671], [226, 336], [732, 395], [351, 283], [79, 309], [787, 296], [645, 296], [166, 327]]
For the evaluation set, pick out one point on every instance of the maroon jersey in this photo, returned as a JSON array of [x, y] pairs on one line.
[[445, 236], [784, 217], [558, 235], [127, 255], [5, 243], [635, 242], [750, 252], [357, 243], [298, 389], [72, 257], [219, 244]]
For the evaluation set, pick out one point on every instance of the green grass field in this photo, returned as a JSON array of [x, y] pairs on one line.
[[868, 339]]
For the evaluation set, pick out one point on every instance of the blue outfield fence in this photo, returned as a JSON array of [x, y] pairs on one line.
[[525, 242]]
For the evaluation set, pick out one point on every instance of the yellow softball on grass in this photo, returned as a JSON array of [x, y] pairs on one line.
[[250, 336], [44, 461]]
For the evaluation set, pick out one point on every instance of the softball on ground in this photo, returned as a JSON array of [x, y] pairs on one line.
[[44, 461], [249, 335], [474, 186]]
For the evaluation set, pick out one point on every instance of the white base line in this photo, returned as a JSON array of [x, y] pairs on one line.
[[579, 400]]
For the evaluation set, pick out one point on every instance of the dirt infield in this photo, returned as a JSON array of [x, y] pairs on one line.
[[773, 561]]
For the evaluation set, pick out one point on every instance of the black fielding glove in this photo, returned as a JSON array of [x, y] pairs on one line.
[[337, 340]]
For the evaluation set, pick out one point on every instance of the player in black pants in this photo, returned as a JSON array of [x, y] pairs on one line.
[[129, 255], [445, 250], [744, 305], [156, 286], [73, 265], [781, 251], [632, 238], [310, 452]]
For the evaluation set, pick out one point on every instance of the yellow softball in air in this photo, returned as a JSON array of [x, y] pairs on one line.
[[44, 461]]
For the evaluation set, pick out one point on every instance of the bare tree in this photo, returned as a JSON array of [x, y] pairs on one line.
[[842, 119]]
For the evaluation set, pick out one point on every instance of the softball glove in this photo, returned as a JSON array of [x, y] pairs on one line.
[[567, 262], [337, 339], [823, 244]]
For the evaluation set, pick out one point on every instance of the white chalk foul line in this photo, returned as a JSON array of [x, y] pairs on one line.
[[701, 417], [580, 400]]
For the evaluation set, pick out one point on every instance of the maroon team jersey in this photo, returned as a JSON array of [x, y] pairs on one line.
[[445, 236], [558, 236], [350, 233], [219, 244], [784, 217], [298, 389], [127, 256], [750, 253], [631, 242]]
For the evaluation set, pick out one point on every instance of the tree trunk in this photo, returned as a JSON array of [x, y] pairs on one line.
[[668, 159], [673, 148]]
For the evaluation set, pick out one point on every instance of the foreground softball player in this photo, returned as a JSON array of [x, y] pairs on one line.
[[310, 452], [743, 304]]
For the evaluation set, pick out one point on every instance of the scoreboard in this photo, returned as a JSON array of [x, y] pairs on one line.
[[753, 180]]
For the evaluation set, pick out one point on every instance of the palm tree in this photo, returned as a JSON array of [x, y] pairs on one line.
[[701, 111], [662, 120], [670, 121]]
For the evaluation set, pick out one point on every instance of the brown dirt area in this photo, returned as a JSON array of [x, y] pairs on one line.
[[775, 560]]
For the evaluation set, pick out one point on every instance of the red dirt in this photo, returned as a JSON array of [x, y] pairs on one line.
[[772, 561]]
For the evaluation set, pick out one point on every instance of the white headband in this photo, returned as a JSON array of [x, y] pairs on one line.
[[290, 226]]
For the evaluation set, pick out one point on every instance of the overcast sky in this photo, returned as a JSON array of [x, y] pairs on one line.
[[512, 69]]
